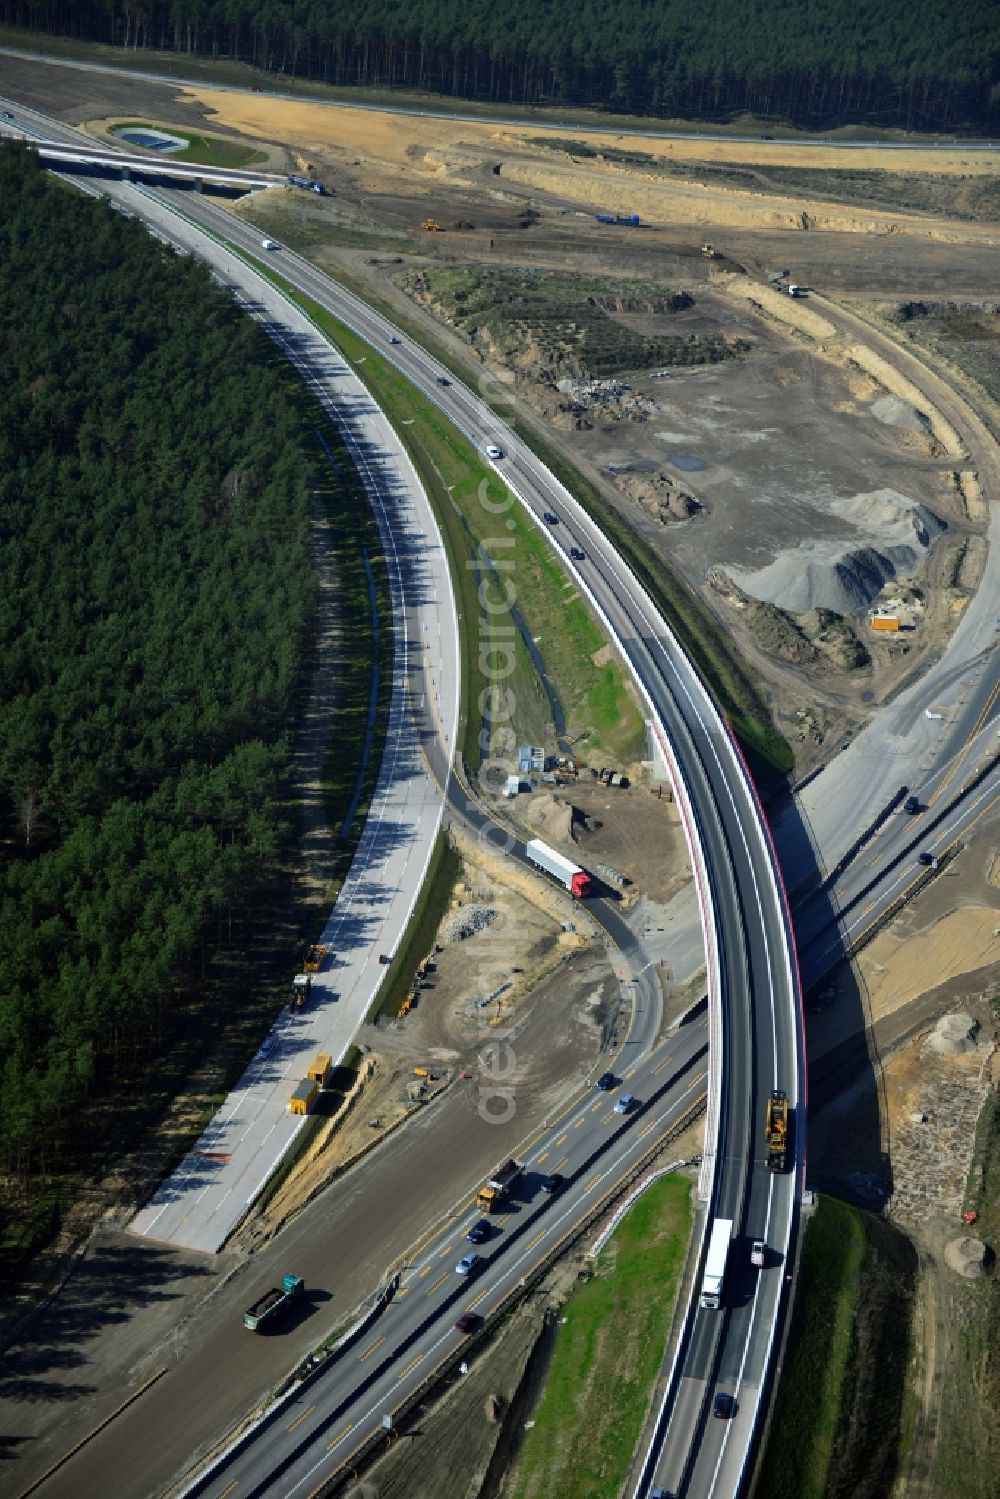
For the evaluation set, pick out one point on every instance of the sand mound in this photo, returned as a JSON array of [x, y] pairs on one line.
[[954, 1035], [891, 411], [893, 531], [551, 820], [966, 1256]]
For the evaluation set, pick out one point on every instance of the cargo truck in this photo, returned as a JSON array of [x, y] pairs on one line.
[[574, 879], [490, 1196], [273, 1303], [715, 1263], [776, 1130], [301, 989]]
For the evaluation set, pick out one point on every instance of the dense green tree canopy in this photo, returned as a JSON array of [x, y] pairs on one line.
[[155, 596], [913, 63]]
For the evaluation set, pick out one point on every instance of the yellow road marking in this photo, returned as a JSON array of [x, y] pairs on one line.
[[561, 1140], [660, 1065], [439, 1282], [542, 1157], [299, 1420], [340, 1437], [411, 1365], [536, 1240], [371, 1350]]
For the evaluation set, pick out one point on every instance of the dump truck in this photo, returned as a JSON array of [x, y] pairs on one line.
[[273, 1303], [572, 878], [715, 1263], [304, 1096], [315, 958], [301, 989], [492, 1193], [776, 1130], [319, 1068]]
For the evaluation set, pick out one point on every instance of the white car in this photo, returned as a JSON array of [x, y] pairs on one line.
[[624, 1103], [757, 1253], [269, 244], [492, 451]]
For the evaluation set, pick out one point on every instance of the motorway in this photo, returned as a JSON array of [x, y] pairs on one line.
[[323, 1423], [757, 978], [753, 978]]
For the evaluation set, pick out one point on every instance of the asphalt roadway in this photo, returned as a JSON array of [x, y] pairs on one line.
[[326, 1420], [758, 983]]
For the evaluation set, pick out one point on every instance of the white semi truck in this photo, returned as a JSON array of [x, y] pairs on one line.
[[574, 879], [715, 1263]]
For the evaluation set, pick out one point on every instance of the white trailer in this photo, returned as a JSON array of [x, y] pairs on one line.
[[715, 1263], [574, 879]]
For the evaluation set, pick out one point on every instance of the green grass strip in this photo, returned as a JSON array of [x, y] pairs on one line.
[[607, 1355]]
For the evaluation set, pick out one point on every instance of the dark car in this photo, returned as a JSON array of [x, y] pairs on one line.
[[442, 380], [577, 554], [606, 1082], [912, 804], [552, 1183], [724, 1406], [550, 519], [480, 1232], [927, 859], [467, 1322]]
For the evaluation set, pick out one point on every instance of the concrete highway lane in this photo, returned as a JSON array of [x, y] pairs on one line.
[[337, 1410], [750, 931]]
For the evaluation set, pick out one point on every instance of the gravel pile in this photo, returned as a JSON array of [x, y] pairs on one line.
[[892, 412], [892, 533], [467, 921]]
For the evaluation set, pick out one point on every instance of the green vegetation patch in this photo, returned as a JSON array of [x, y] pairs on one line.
[[485, 529], [607, 1354], [156, 600], [202, 150], [562, 325], [846, 1361]]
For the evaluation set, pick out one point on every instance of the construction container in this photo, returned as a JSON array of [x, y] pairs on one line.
[[886, 622], [304, 1096], [319, 1068]]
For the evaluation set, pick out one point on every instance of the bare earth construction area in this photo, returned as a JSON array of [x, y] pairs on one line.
[[774, 452]]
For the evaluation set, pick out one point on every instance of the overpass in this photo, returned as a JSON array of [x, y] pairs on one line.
[[134, 168]]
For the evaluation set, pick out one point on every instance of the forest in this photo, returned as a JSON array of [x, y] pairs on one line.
[[156, 598], [909, 64]]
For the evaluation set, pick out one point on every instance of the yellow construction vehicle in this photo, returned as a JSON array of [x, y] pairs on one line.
[[433, 224]]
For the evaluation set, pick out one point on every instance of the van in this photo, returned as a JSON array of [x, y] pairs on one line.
[[269, 244], [492, 451]]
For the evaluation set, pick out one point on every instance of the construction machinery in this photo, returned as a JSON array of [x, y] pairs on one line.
[[301, 989], [315, 958], [776, 1130], [433, 226], [711, 252], [274, 1302], [492, 1193]]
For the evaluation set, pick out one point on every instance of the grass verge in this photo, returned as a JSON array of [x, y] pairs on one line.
[[598, 1384], [845, 1363], [202, 150], [469, 501], [428, 913]]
